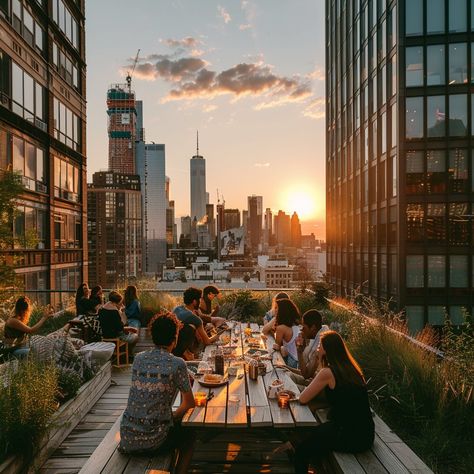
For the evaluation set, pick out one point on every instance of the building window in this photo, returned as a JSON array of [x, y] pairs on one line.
[[435, 171], [66, 67], [29, 161], [415, 172], [415, 271], [436, 116], [458, 224], [414, 122], [458, 63], [435, 17], [436, 222], [67, 230], [393, 175], [415, 319], [436, 271], [415, 222], [27, 97], [25, 24], [66, 22], [457, 16], [414, 66], [435, 64], [458, 171], [29, 228], [414, 18], [457, 315], [458, 271], [436, 315], [66, 180], [67, 126], [458, 115]]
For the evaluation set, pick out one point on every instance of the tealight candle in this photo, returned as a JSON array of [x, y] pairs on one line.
[[283, 399], [200, 399]]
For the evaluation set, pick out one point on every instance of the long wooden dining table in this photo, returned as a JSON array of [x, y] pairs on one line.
[[243, 402]]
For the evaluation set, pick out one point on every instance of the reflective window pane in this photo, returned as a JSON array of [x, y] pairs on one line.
[[436, 222], [458, 265], [435, 65], [415, 319], [415, 222], [458, 63], [457, 115], [457, 16], [458, 224], [436, 315], [414, 66], [414, 18], [415, 271], [414, 117], [458, 171], [436, 271], [415, 172], [436, 116], [435, 17]]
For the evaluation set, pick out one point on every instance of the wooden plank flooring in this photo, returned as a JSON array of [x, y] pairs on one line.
[[242, 451]]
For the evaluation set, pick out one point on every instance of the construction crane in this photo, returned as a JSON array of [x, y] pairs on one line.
[[130, 73]]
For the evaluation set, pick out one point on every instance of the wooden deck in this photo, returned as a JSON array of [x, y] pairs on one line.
[[241, 451]]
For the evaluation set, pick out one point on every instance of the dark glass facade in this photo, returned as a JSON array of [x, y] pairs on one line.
[[42, 137], [400, 154]]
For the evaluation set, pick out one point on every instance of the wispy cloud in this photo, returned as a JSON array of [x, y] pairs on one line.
[[244, 27], [315, 109], [262, 165], [209, 108], [317, 75], [187, 42], [224, 14]]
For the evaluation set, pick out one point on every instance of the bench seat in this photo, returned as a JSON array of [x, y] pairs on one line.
[[389, 454], [107, 459]]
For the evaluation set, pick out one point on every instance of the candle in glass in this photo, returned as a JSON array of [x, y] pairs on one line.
[[200, 399], [283, 400]]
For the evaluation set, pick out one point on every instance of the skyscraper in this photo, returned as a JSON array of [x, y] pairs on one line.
[[231, 219], [198, 185], [122, 125], [282, 226], [295, 231], [399, 154], [268, 227], [42, 138], [255, 220], [114, 228]]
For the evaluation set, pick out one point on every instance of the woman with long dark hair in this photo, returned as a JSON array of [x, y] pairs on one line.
[[287, 319], [132, 307], [350, 427]]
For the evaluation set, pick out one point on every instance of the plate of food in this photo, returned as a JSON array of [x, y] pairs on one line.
[[253, 341], [213, 380], [256, 352]]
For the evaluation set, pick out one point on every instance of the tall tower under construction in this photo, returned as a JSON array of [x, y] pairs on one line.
[[122, 126]]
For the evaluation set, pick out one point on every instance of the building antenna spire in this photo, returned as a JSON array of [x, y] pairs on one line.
[[197, 142]]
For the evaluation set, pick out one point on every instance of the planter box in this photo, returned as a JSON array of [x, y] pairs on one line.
[[64, 421]]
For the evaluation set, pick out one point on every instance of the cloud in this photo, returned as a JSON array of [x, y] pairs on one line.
[[209, 108], [189, 42], [173, 70], [317, 75], [247, 26], [262, 165], [224, 14], [316, 108]]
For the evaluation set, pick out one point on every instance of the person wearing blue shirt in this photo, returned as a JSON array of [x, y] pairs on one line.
[[132, 307]]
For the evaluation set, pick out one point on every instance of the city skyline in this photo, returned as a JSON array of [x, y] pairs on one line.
[[278, 121]]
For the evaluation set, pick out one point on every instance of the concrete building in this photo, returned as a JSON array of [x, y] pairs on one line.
[[268, 227], [43, 138], [255, 221], [198, 186], [122, 128], [275, 271], [295, 231], [231, 219], [282, 228], [399, 155], [114, 228]]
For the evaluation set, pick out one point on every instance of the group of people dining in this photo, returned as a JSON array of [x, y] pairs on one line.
[[316, 358]]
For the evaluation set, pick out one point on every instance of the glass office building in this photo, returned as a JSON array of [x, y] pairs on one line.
[[400, 154]]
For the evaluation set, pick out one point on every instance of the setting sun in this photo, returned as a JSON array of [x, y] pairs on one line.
[[301, 201]]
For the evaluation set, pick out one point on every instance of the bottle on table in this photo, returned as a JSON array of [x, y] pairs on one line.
[[219, 362]]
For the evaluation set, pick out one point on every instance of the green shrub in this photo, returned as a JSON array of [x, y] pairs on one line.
[[245, 305], [69, 382], [26, 404], [428, 402]]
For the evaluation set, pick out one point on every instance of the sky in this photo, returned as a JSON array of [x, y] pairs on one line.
[[248, 74]]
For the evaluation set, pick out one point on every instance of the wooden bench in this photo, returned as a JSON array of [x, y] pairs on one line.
[[389, 454], [107, 459]]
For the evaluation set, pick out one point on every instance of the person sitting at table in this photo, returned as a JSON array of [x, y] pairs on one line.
[[83, 302], [111, 323], [148, 425], [16, 329], [350, 427], [206, 312], [307, 344], [187, 315], [132, 307], [97, 297], [287, 318], [269, 318]]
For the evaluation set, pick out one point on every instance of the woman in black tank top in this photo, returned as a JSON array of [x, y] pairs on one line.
[[350, 427]]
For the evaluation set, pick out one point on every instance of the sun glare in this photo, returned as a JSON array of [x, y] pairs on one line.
[[303, 203]]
